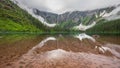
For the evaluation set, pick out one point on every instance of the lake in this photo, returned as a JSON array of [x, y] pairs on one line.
[[59, 51]]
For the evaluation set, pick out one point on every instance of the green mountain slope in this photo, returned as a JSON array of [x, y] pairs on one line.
[[13, 18], [110, 27]]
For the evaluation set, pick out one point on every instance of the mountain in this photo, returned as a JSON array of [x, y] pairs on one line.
[[111, 26], [74, 16], [69, 20], [49, 17], [13, 18]]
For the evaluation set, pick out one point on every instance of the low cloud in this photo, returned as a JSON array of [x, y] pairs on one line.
[[61, 6]]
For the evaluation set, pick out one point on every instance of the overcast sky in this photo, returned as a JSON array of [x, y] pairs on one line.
[[61, 6]]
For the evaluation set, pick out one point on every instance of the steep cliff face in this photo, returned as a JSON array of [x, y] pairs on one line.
[[74, 16], [70, 19]]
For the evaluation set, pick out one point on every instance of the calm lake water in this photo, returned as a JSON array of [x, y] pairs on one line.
[[59, 51]]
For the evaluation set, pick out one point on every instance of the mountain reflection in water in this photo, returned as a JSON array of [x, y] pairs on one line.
[[60, 51]]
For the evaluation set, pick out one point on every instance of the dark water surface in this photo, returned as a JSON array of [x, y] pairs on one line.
[[59, 51]]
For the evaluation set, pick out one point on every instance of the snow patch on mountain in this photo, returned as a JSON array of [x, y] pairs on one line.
[[113, 14], [84, 27]]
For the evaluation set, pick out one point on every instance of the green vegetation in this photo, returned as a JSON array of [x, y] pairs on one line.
[[86, 20], [110, 27], [10, 25], [67, 26], [13, 18]]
